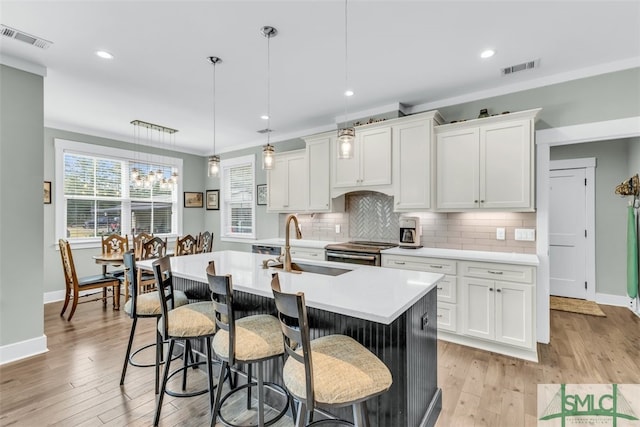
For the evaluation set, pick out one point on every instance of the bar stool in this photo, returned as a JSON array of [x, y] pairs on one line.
[[248, 340], [182, 324], [330, 372], [144, 306]]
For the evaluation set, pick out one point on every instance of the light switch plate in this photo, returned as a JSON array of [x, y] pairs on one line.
[[337, 228], [500, 234], [525, 234]]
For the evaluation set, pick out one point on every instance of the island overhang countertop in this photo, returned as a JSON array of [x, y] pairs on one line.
[[376, 294]]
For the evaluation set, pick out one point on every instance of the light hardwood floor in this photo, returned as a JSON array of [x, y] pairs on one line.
[[77, 382]]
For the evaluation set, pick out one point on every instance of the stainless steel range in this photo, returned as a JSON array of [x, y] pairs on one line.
[[357, 252]]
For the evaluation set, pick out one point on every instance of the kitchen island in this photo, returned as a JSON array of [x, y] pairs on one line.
[[392, 312]]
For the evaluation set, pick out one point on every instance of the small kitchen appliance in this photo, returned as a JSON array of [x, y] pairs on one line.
[[410, 232]]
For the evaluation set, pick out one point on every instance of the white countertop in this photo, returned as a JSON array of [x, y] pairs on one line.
[[376, 294], [463, 255], [299, 243]]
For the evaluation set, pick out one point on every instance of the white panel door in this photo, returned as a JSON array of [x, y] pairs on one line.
[[567, 228]]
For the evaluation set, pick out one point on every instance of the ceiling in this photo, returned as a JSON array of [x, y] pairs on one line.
[[421, 54]]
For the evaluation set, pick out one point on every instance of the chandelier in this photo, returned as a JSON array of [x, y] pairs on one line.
[[164, 178]]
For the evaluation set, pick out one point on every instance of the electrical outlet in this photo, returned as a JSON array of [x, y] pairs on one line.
[[525, 234], [500, 234], [338, 228]]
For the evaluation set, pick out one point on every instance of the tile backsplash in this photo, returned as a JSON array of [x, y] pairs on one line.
[[370, 216]]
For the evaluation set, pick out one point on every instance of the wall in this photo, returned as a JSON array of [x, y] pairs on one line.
[[21, 213], [612, 165], [193, 179]]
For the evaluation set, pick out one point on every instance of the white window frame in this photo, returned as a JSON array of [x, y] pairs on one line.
[[226, 164], [62, 146]]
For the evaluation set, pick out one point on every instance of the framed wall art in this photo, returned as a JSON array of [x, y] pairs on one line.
[[213, 200], [192, 199], [261, 195], [47, 192]]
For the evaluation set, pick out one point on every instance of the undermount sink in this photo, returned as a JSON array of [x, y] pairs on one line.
[[311, 268]]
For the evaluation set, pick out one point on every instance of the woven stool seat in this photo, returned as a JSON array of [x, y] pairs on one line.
[[149, 305], [191, 320], [343, 371], [257, 337]]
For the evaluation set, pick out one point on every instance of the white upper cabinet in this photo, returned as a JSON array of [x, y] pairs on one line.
[[370, 165], [486, 163], [412, 160], [319, 167], [287, 183]]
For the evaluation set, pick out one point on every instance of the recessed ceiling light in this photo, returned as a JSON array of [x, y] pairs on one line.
[[264, 117], [487, 53], [104, 54], [348, 93]]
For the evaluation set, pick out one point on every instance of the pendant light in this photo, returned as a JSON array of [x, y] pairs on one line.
[[346, 135], [213, 165], [268, 151]]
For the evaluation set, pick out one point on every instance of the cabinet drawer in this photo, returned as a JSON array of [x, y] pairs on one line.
[[432, 265], [502, 272], [447, 317], [447, 289], [307, 253]]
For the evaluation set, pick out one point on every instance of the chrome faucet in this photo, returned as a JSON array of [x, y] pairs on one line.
[[287, 248]]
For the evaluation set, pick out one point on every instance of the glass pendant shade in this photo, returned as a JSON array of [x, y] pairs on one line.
[[174, 177], [268, 157], [346, 136], [213, 166]]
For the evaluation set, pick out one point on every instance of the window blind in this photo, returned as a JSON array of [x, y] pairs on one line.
[[238, 214]]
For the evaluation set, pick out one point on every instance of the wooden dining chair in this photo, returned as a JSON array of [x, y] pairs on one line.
[[115, 243], [205, 242], [138, 240], [186, 245], [152, 248], [74, 284]]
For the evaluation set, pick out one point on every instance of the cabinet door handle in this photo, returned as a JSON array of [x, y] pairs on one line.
[[439, 316], [481, 201], [498, 290], [398, 262], [439, 289], [314, 254], [495, 272], [475, 201], [435, 266], [490, 289]]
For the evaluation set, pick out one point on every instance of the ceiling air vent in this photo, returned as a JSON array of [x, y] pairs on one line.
[[24, 37], [266, 130], [521, 67]]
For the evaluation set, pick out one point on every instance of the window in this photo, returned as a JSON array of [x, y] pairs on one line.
[[95, 194], [238, 200]]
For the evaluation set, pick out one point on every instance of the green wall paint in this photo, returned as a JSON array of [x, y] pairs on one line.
[[21, 206]]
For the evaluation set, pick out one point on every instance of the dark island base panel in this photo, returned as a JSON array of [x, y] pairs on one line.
[[408, 347]]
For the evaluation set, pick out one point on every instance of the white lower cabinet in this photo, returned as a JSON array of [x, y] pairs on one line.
[[480, 304], [499, 310], [447, 287]]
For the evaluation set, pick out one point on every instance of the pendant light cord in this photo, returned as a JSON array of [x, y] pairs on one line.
[[214, 108], [346, 64], [268, 88]]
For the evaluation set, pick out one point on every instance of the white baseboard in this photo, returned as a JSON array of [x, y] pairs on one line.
[[616, 300], [53, 296], [23, 349]]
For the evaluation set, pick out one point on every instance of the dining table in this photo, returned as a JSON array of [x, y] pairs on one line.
[[114, 259]]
